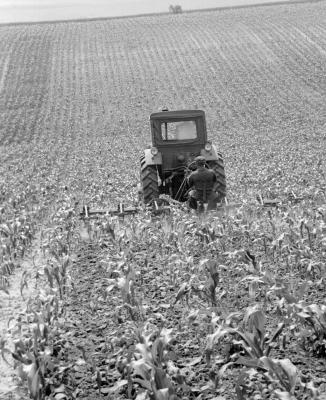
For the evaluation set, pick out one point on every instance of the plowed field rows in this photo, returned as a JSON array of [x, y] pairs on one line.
[[258, 73], [74, 105]]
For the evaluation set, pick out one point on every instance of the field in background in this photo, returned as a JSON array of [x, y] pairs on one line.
[[258, 74], [74, 105]]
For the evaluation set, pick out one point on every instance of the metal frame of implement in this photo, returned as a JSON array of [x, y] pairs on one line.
[[156, 209], [121, 211]]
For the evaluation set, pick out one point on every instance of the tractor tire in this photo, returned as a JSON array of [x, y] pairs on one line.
[[218, 167], [149, 182]]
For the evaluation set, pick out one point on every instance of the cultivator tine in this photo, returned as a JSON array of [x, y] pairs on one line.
[[158, 209], [121, 210]]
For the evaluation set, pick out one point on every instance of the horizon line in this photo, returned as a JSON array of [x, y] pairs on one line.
[[221, 8]]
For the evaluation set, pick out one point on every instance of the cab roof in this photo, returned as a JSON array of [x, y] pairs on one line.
[[177, 114]]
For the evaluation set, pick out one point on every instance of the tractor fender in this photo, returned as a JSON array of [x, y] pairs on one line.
[[210, 155], [151, 159]]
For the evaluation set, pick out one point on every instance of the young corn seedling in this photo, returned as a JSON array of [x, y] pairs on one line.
[[34, 350], [254, 340], [125, 282], [207, 290], [4, 284], [276, 378], [281, 375], [150, 364], [313, 316], [284, 379], [57, 271], [127, 287]]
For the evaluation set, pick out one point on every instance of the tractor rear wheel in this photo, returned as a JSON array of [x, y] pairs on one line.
[[149, 181], [218, 167]]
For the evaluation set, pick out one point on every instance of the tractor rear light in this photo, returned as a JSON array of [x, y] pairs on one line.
[[208, 146], [154, 151]]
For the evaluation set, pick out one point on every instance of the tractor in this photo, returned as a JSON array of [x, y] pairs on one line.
[[178, 137]]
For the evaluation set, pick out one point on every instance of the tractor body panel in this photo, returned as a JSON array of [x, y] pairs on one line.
[[210, 155], [151, 159], [172, 157]]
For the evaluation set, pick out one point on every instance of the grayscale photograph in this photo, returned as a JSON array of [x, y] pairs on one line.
[[162, 200]]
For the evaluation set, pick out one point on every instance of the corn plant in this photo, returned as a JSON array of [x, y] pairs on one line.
[[312, 335], [148, 370], [33, 352], [57, 271], [253, 340]]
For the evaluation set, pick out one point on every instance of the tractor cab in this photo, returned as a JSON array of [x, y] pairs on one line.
[[175, 126], [178, 136]]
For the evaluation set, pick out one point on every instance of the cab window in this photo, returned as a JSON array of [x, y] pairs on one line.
[[183, 130]]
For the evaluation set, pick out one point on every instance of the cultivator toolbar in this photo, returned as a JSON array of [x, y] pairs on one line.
[[121, 211], [161, 206]]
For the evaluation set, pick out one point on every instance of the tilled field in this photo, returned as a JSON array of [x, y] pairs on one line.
[[229, 306]]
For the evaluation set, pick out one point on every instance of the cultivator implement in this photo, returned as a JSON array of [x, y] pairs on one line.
[[162, 206], [168, 175]]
